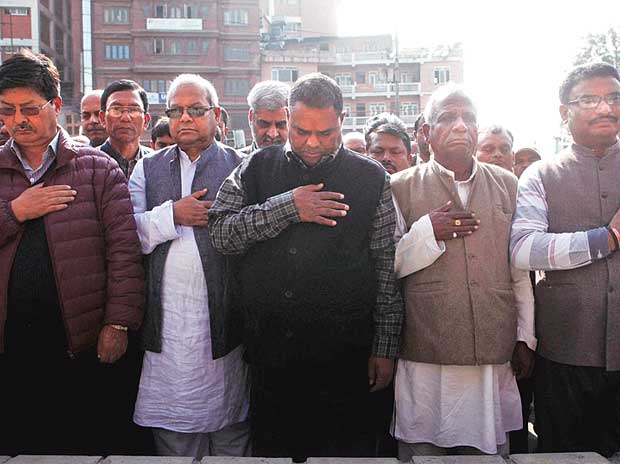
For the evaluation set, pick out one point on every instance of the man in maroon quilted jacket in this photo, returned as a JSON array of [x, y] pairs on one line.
[[71, 280]]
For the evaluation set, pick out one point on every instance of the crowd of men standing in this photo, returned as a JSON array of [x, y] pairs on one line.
[[308, 295]]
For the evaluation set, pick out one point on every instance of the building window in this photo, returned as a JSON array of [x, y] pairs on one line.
[[324, 47], [205, 47], [360, 110], [158, 46], [175, 12], [117, 52], [175, 47], [360, 77], [292, 27], [372, 78], [284, 74], [232, 53], [236, 87], [192, 47], [347, 110], [343, 79], [408, 109], [235, 18], [161, 11], [17, 11], [189, 11], [44, 27], [441, 75], [155, 85], [376, 108], [116, 15]]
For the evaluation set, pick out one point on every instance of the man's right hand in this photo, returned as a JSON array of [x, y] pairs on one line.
[[190, 211], [615, 221], [38, 201], [449, 225], [316, 206]]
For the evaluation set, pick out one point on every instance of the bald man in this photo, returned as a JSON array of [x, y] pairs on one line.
[[90, 126]]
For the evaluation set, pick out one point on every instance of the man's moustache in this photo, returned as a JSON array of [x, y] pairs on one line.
[[22, 127], [603, 118]]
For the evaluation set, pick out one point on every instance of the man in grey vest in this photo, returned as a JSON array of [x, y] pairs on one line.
[[566, 223], [468, 314], [194, 386]]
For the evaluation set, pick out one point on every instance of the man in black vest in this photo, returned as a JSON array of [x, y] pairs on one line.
[[313, 223]]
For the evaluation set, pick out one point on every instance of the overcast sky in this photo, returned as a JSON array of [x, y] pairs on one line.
[[516, 53]]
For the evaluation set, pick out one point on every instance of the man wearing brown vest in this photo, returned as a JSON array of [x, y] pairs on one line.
[[468, 313], [566, 223]]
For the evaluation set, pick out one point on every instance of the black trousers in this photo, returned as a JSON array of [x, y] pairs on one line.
[[312, 410], [577, 408], [54, 404], [519, 438]]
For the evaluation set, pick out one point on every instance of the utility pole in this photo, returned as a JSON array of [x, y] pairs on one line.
[[396, 73]]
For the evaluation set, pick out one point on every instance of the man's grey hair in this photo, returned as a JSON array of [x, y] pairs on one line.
[[316, 90], [90, 93], [450, 91], [495, 129], [269, 96], [193, 79]]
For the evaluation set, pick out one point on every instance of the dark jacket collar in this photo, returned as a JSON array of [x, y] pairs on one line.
[[67, 150]]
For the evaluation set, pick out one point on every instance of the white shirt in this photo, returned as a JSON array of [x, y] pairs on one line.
[[456, 405], [183, 388]]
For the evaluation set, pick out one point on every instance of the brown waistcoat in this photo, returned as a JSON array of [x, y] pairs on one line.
[[461, 309], [578, 310]]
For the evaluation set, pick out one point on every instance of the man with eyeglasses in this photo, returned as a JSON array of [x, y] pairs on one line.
[[90, 126], [124, 114], [194, 390], [567, 223], [71, 278]]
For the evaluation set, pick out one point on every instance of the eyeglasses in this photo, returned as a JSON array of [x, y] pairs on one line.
[[588, 102], [24, 110], [117, 111], [192, 111]]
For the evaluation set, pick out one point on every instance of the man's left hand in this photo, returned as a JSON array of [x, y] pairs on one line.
[[112, 344], [522, 361], [380, 372]]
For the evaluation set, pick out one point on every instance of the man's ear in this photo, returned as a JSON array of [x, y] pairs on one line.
[[564, 109], [147, 120], [250, 116]]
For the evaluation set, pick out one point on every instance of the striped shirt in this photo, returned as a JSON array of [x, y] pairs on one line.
[[533, 247]]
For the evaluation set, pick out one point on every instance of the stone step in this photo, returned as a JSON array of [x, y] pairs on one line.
[[558, 458], [458, 460], [146, 460], [25, 459], [352, 461], [231, 460]]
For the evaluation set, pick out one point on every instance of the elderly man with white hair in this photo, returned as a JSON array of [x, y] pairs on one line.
[[469, 315], [194, 386]]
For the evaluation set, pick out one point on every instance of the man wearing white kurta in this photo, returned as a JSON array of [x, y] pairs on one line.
[[194, 385], [468, 312]]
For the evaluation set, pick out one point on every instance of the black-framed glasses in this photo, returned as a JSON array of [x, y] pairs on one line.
[[192, 111], [117, 111], [587, 102], [24, 110]]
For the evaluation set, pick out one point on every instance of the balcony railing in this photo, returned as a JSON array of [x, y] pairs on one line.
[[381, 88], [362, 57], [358, 122], [174, 24]]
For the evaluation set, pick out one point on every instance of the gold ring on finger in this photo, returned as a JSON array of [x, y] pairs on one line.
[[454, 235], [457, 222]]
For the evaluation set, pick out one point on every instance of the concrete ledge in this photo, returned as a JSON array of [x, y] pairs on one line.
[[352, 461], [558, 458], [4, 459], [24, 459], [146, 460], [231, 460], [458, 460]]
